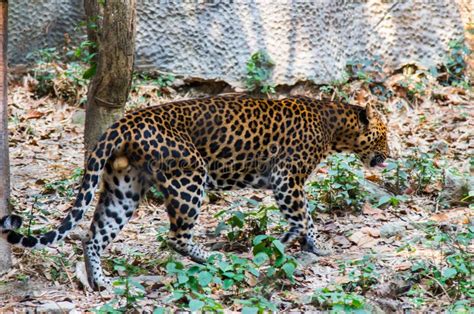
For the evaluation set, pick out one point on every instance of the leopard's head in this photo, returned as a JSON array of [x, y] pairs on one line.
[[371, 143]]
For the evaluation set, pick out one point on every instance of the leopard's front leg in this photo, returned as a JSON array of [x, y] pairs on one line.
[[288, 189]]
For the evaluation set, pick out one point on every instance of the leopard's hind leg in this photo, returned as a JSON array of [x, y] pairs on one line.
[[181, 179], [121, 195], [184, 192]]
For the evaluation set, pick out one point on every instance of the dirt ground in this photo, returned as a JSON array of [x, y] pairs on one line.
[[46, 137]]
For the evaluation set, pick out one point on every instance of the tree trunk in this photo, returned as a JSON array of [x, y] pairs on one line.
[[115, 40], [5, 253]]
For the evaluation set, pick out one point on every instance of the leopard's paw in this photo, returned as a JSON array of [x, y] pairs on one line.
[[311, 247]]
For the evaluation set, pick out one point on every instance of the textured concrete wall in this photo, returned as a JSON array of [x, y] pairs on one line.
[[34, 24], [306, 39]]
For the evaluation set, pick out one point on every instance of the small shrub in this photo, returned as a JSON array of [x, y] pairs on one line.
[[65, 73], [414, 83], [66, 187], [391, 200], [244, 225], [337, 300], [452, 274], [53, 76], [337, 89], [417, 173], [267, 249], [447, 277], [342, 187], [259, 68], [453, 71], [366, 70], [362, 274], [147, 83], [192, 287], [257, 305], [126, 290]]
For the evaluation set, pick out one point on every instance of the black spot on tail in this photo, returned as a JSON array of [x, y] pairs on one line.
[[48, 237], [10, 222], [29, 241], [65, 227], [13, 237]]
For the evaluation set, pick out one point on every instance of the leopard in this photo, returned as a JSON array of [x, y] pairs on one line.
[[226, 142]]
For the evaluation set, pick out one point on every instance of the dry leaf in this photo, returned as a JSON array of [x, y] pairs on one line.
[[363, 240], [373, 232], [342, 241], [403, 266], [440, 217], [373, 177], [34, 114], [342, 279]]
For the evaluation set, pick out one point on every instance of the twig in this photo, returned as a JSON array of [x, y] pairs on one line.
[[66, 271], [386, 13], [441, 286]]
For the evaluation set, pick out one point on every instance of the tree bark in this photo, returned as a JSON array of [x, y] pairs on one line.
[[115, 40], [5, 253]]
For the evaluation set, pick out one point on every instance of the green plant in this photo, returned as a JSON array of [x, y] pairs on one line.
[[368, 72], [267, 249], [43, 71], [423, 169], [65, 73], [156, 194], [449, 275], [38, 209], [337, 300], [337, 88], [65, 187], [197, 281], [44, 55], [391, 200], [85, 53], [244, 225], [470, 199], [57, 269], [257, 305], [161, 236], [417, 295], [455, 65], [365, 70], [192, 287], [415, 85], [126, 290], [259, 67], [342, 187], [395, 174], [452, 274], [417, 172], [461, 307], [22, 277], [154, 83], [362, 274]]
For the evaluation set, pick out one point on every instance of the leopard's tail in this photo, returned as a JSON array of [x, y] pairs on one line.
[[109, 145]]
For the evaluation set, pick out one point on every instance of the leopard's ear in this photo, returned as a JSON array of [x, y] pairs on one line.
[[368, 115], [370, 111]]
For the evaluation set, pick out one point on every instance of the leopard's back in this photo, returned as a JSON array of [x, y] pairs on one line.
[[240, 139]]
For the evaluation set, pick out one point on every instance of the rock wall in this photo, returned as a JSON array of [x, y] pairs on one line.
[[307, 40]]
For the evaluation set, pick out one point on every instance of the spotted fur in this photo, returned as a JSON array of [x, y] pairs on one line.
[[215, 143]]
